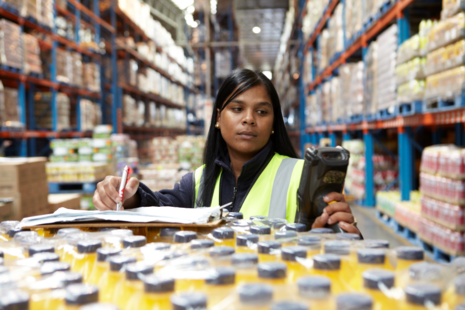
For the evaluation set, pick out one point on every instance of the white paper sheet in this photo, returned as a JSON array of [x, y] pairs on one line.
[[138, 215]]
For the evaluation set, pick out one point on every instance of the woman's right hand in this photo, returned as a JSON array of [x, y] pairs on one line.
[[106, 195]]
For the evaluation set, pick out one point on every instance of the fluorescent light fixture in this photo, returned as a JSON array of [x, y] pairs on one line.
[[190, 9], [183, 4], [268, 74], [256, 29], [213, 6]]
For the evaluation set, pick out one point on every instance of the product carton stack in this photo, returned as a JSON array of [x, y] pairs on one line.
[[30, 8], [46, 12], [76, 69], [10, 44], [9, 108], [31, 54], [91, 76], [68, 201], [387, 47], [43, 113], [24, 180], [371, 79]]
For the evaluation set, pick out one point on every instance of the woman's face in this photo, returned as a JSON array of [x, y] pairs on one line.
[[247, 121]]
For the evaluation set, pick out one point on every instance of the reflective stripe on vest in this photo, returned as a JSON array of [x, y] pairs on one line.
[[274, 193]]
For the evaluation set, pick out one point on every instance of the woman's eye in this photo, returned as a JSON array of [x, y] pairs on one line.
[[236, 109], [262, 112]]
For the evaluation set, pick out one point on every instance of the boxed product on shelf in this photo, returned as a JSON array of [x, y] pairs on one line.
[[387, 201], [9, 107], [312, 116], [336, 34], [15, 4], [446, 31], [408, 215], [451, 7], [11, 49], [77, 69], [387, 47], [129, 110], [411, 91], [91, 76], [446, 214], [31, 54], [445, 85], [68, 201], [411, 70], [356, 90], [78, 172], [91, 115], [140, 113], [444, 160], [30, 8], [46, 8], [444, 189], [353, 18], [43, 113], [416, 46], [323, 45], [371, 79], [371, 9], [337, 101], [314, 12], [451, 242], [446, 58]]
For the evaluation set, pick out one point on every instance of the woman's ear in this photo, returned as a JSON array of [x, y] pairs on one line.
[[218, 115]]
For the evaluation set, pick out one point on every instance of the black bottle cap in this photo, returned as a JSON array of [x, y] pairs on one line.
[[258, 218], [338, 247], [459, 283], [410, 253], [420, 293], [52, 267], [255, 294], [66, 231], [169, 231], [221, 251], [88, 246], [189, 301], [1, 254], [15, 230], [327, 262], [14, 300], [242, 223], [134, 241], [103, 254], [371, 256], [291, 253], [265, 247], [4, 269], [118, 262], [244, 260], [289, 305], [299, 227], [134, 270], [155, 284], [427, 272], [285, 234], [272, 270], [322, 230], [354, 301], [197, 244], [260, 229], [73, 239], [41, 248], [223, 233], [375, 279], [157, 246], [277, 223], [221, 276], [81, 294], [314, 287], [46, 257], [184, 236], [309, 241], [174, 254], [68, 277], [246, 240], [99, 306], [107, 229], [376, 244], [347, 236], [235, 215]]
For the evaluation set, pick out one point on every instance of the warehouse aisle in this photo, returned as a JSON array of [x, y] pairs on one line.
[[372, 228]]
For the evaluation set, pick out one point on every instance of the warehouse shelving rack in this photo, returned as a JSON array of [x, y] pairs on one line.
[[104, 26]]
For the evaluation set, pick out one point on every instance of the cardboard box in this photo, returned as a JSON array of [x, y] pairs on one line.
[[29, 204], [68, 201], [21, 175], [6, 207]]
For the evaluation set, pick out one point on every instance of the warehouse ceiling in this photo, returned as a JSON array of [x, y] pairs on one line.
[[259, 50]]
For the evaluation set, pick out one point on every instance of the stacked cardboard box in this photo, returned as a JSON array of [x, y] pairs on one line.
[[9, 105], [15, 4], [46, 12], [387, 47], [371, 79], [43, 113], [68, 201], [129, 110], [25, 181], [76, 69], [63, 66], [30, 8], [31, 54], [91, 115], [91, 76], [11, 53]]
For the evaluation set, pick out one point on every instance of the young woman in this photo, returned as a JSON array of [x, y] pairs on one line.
[[248, 160]]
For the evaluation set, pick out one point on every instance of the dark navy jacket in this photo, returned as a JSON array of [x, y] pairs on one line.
[[183, 193]]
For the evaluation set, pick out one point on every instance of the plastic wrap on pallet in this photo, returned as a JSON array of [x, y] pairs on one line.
[[446, 58], [43, 112], [451, 7], [446, 214], [443, 189], [408, 214], [91, 76], [387, 46], [11, 50], [356, 91], [337, 100], [411, 91], [371, 9], [451, 242], [336, 34], [323, 45], [446, 31], [9, 107], [31, 54], [315, 10], [353, 18], [371, 79], [310, 110], [445, 85], [129, 110], [411, 70], [91, 115], [444, 160]]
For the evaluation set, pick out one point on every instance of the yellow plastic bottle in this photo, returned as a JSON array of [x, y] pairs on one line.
[[290, 256], [311, 243], [254, 296], [221, 255], [184, 236], [87, 255], [408, 255], [219, 284], [114, 237], [78, 295], [427, 273], [201, 245], [455, 295], [189, 301], [188, 271], [108, 283], [297, 227], [420, 296], [46, 257], [263, 231], [102, 266], [246, 267], [354, 301], [376, 283], [246, 243], [68, 250], [277, 224], [274, 273], [224, 236], [368, 259], [286, 237], [348, 257], [329, 265], [268, 251], [55, 299], [156, 294], [134, 274], [14, 299], [5, 227], [167, 234], [316, 291], [134, 242], [49, 268]]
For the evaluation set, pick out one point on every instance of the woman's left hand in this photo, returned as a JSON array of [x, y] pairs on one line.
[[337, 212]]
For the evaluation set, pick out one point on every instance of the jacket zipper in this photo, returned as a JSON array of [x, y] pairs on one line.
[[234, 197]]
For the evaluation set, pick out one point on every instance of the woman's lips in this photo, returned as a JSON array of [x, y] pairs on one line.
[[247, 135]]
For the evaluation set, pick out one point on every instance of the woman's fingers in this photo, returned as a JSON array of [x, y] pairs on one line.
[[106, 195], [131, 188], [338, 197], [111, 186], [349, 228], [98, 202], [321, 220], [341, 217], [338, 207]]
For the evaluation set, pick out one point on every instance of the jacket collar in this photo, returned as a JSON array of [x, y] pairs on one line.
[[250, 168]]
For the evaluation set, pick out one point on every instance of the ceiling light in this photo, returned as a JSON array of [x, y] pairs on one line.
[[190, 9], [268, 74], [256, 29]]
